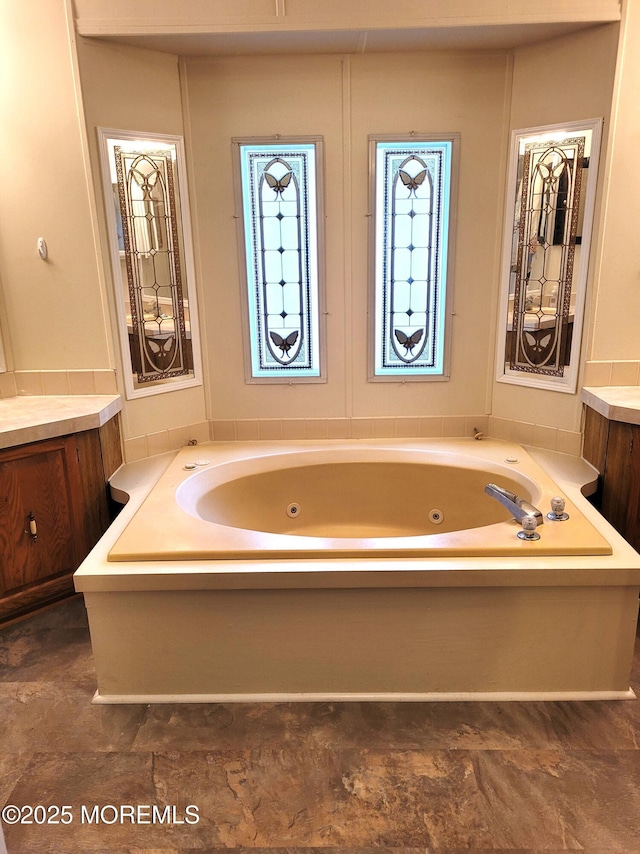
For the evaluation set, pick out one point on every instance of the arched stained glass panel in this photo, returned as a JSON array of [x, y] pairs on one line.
[[412, 189], [279, 190], [159, 344], [147, 211], [551, 192], [546, 249]]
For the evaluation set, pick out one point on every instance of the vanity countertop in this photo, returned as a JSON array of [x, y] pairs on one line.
[[28, 418], [617, 403]]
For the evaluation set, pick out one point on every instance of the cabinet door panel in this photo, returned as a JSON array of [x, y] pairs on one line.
[[617, 474], [37, 483], [633, 499], [621, 488]]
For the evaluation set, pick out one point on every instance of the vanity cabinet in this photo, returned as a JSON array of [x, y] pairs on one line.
[[613, 447], [53, 509]]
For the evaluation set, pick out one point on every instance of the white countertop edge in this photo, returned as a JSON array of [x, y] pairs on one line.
[[31, 418], [617, 403]]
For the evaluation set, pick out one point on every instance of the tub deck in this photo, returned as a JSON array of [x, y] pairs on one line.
[[520, 626], [243, 491]]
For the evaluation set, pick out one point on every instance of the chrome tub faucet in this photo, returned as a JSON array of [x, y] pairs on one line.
[[518, 507]]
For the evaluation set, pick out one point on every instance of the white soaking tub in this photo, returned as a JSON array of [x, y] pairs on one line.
[[355, 570]]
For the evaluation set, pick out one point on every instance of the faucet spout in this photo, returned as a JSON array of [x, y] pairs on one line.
[[518, 507]]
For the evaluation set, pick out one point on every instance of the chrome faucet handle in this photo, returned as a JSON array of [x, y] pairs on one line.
[[557, 513], [529, 525]]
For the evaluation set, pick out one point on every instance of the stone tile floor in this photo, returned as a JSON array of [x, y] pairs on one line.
[[436, 778]]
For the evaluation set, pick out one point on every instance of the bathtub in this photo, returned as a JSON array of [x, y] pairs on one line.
[[358, 570], [348, 500]]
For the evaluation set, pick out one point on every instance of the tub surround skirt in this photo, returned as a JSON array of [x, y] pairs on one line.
[[519, 643], [521, 627]]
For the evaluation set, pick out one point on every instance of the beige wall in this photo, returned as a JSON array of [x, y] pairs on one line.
[[55, 315], [563, 80], [345, 100], [127, 88], [615, 331], [59, 313]]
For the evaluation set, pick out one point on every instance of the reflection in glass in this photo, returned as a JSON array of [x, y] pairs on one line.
[[158, 341], [547, 242], [149, 260], [553, 178]]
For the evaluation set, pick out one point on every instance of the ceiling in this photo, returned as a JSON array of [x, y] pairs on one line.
[[491, 37]]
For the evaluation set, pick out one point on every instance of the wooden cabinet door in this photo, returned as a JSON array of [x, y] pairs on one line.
[[41, 480], [632, 521], [621, 488]]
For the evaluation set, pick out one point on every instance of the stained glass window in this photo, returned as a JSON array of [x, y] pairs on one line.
[[412, 197], [547, 240], [152, 266], [548, 224], [152, 256], [280, 190]]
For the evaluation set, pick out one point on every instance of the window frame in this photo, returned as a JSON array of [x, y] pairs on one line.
[[446, 309], [281, 142], [189, 287], [4, 366], [568, 382]]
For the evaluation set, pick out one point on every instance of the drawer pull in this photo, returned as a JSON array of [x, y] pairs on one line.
[[33, 528]]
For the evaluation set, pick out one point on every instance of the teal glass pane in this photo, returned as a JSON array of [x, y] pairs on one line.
[[412, 190]]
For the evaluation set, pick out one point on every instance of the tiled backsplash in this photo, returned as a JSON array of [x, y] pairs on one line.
[[14, 383], [537, 435], [346, 428], [163, 441], [66, 382], [139, 447], [611, 373], [8, 386], [564, 441]]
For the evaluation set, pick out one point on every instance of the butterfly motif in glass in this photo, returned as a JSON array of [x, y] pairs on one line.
[[279, 197], [546, 238], [159, 344], [412, 188]]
